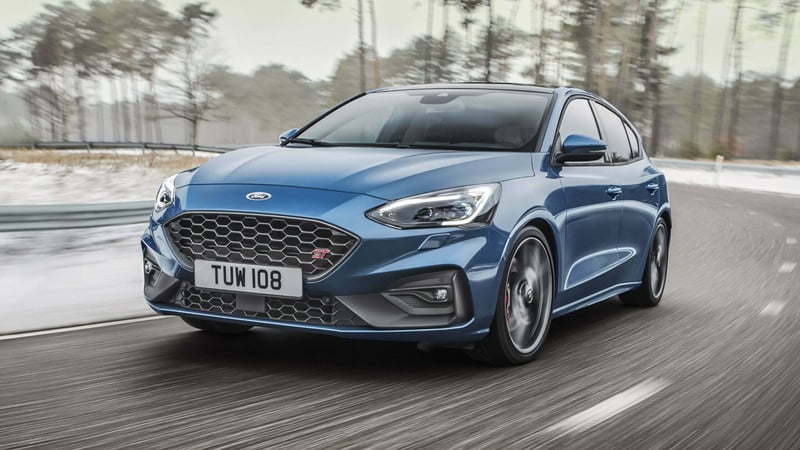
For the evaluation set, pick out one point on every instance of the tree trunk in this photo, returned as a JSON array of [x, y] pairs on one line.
[[441, 73], [466, 20], [487, 77], [137, 106], [99, 111], [362, 74], [428, 43], [605, 29], [80, 108], [194, 123], [155, 107], [654, 77], [777, 98], [115, 109], [63, 109], [33, 113], [126, 113], [733, 124], [696, 103], [540, 64], [559, 58], [722, 101], [588, 74], [376, 60]]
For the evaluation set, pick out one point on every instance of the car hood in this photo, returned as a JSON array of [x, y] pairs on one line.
[[386, 173]]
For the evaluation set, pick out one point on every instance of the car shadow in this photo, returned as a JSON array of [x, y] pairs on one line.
[[270, 351]]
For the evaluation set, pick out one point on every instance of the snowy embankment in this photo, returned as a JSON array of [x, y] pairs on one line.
[[728, 179], [68, 277]]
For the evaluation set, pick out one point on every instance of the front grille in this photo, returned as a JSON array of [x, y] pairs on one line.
[[260, 239], [312, 309]]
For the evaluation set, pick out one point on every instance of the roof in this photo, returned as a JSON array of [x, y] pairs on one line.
[[471, 85]]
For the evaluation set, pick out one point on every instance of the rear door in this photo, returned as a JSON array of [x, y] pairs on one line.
[[593, 213], [640, 193]]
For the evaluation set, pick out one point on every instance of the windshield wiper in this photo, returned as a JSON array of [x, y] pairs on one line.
[[311, 142]]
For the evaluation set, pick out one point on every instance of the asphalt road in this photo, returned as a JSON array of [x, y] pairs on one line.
[[717, 364]]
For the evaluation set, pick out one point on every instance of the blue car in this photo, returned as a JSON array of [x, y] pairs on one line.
[[465, 215]]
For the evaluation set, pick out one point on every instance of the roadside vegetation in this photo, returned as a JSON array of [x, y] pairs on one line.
[[163, 160], [133, 71]]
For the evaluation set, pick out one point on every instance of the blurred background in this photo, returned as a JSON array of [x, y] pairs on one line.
[[94, 95], [699, 78]]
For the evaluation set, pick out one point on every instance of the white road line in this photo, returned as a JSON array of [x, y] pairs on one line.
[[791, 241], [79, 327], [608, 408], [787, 267], [777, 224], [772, 309], [752, 213]]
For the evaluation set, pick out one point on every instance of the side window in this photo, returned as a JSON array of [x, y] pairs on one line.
[[633, 141], [614, 134], [578, 119]]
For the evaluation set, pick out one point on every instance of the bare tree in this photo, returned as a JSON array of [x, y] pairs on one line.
[[789, 10], [719, 117], [362, 69], [196, 97], [443, 55], [698, 67], [736, 97], [376, 60], [604, 11], [487, 77], [429, 42]]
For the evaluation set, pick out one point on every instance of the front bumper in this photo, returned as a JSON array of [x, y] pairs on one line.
[[378, 292]]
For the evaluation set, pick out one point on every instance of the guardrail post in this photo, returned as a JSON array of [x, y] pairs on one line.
[[718, 169]]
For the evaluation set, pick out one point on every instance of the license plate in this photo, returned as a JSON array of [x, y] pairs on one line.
[[251, 278]]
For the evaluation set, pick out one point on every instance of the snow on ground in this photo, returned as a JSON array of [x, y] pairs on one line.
[[67, 277], [70, 177], [750, 181]]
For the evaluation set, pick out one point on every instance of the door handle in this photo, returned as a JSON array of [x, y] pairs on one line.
[[653, 187], [614, 191]]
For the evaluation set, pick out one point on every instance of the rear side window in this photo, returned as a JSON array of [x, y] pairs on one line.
[[578, 119], [633, 141], [614, 134]]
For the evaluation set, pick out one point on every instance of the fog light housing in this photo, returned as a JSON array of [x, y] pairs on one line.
[[441, 295]]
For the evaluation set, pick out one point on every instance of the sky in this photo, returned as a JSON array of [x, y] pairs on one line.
[[251, 33]]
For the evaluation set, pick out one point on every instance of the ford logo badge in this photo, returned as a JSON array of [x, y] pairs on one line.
[[258, 196]]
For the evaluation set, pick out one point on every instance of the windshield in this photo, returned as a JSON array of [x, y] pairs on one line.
[[441, 118]]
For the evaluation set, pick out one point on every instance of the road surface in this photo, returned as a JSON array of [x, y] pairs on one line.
[[717, 364]]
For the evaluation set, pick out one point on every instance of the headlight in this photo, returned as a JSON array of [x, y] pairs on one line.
[[166, 194], [464, 206]]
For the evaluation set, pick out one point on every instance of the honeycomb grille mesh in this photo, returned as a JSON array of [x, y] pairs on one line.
[[312, 309], [256, 239]]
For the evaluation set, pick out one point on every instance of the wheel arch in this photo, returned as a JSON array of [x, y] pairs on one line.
[[547, 229], [665, 213]]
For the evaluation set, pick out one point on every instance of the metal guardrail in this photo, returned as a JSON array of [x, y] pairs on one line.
[[92, 145], [711, 165], [60, 217]]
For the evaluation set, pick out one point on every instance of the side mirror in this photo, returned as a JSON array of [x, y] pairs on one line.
[[287, 135], [580, 148]]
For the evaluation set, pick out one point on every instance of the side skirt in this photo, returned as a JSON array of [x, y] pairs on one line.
[[595, 298]]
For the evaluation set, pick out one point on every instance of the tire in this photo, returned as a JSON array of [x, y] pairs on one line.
[[216, 327], [655, 271], [524, 303]]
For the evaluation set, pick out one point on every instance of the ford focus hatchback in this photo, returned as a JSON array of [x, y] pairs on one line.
[[463, 214]]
